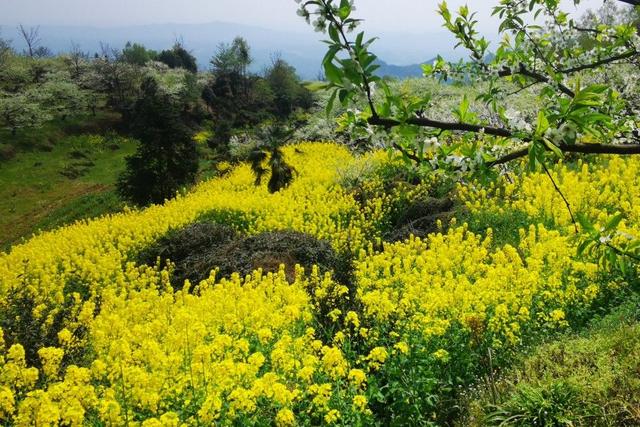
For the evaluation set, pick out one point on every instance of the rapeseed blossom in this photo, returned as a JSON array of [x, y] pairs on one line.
[[122, 347]]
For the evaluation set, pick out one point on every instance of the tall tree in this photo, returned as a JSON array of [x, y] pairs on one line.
[[22, 110], [179, 57], [77, 61], [166, 159], [233, 58], [137, 54], [114, 77], [286, 88]]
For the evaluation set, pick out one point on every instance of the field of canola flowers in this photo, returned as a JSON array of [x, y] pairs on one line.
[[91, 338]]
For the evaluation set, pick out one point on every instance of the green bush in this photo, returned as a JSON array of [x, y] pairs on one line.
[[588, 379]]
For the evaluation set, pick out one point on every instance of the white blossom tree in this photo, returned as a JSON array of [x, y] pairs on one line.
[[21, 111]]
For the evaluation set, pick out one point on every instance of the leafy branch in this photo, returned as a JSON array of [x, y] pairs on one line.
[[531, 59], [609, 246]]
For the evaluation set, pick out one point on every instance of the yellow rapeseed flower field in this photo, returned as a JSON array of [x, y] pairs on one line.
[[118, 346]]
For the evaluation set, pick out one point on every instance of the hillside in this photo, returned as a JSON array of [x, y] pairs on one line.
[[401, 71], [193, 234], [300, 346]]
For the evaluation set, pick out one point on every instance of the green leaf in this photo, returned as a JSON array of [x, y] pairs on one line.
[[612, 224], [553, 147], [532, 157], [542, 124], [359, 38], [583, 247], [333, 33], [333, 73], [331, 101], [427, 70], [331, 54], [585, 223], [345, 9]]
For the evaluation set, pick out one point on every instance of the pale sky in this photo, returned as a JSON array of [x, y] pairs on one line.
[[413, 16]]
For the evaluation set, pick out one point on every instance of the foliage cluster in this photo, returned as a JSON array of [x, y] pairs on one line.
[[239, 99]]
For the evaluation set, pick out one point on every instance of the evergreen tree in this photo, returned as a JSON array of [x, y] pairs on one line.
[[166, 159], [179, 57], [287, 89], [137, 54]]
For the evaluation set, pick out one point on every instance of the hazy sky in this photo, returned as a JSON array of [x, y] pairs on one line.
[[416, 16]]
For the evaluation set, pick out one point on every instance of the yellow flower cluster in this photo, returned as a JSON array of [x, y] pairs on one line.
[[96, 255], [220, 350], [423, 286], [259, 350], [598, 190]]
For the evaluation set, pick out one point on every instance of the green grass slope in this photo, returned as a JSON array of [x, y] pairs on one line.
[[53, 178]]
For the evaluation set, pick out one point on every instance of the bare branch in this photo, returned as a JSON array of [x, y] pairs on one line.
[[540, 78], [406, 153], [31, 37], [566, 202]]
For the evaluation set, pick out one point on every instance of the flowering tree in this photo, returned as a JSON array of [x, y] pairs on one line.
[[560, 58], [62, 97], [21, 111]]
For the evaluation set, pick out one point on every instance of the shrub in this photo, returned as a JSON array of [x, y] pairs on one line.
[[199, 248], [7, 152], [588, 379]]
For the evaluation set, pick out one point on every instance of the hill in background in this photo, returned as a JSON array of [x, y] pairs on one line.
[[303, 50]]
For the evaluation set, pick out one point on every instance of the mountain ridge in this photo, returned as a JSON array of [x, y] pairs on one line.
[[303, 50]]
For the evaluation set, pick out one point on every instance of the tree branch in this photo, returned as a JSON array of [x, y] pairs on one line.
[[631, 2], [541, 78], [628, 54], [406, 153], [622, 149], [566, 202], [347, 45], [437, 124]]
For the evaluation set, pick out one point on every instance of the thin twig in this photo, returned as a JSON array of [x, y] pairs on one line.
[[566, 202], [620, 252]]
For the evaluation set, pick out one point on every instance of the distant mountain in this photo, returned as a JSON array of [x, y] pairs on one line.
[[303, 50], [400, 71]]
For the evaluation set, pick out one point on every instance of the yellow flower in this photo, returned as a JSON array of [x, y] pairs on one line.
[[51, 358], [377, 357], [357, 377], [402, 347], [332, 416], [285, 418], [322, 394], [7, 402], [256, 359], [360, 403], [442, 355], [306, 373], [210, 410], [352, 319]]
